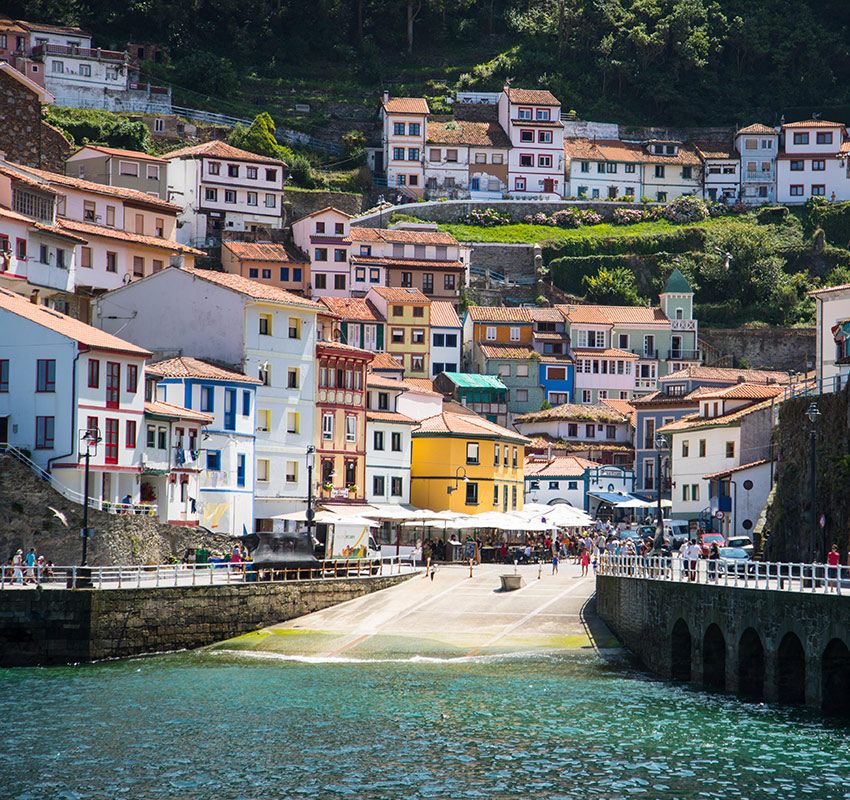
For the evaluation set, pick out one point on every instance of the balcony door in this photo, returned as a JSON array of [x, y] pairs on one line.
[[113, 383]]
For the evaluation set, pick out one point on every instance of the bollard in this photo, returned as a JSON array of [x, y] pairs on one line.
[[470, 567]]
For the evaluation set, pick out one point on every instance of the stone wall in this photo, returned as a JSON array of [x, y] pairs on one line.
[[765, 348], [642, 614], [24, 136], [60, 626], [301, 202]]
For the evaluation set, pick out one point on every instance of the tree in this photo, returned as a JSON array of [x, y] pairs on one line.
[[259, 138], [612, 287]]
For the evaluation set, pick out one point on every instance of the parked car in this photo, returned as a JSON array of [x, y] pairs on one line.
[[734, 560], [708, 539], [678, 530], [742, 542]]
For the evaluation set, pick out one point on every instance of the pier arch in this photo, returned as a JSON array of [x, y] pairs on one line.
[[791, 670], [835, 678], [681, 651], [714, 657], [751, 665]]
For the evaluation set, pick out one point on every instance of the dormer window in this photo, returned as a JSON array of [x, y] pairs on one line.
[[543, 114], [524, 113]]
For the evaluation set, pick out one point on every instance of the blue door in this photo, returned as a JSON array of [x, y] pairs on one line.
[[230, 409], [475, 185], [240, 470]]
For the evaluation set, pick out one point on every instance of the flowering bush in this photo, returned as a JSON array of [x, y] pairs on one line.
[[589, 217], [627, 216], [486, 218], [566, 218], [687, 208], [537, 219]]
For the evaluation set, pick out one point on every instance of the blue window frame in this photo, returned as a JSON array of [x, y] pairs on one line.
[[253, 272], [296, 274], [230, 409], [246, 403], [240, 470], [208, 398], [214, 460], [284, 273], [374, 275]]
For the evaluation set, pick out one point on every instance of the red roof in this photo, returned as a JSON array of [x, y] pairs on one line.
[[396, 236], [756, 128], [575, 412], [253, 289], [499, 314], [611, 352], [467, 132], [357, 308], [388, 416], [117, 151], [385, 362], [410, 263], [263, 251], [443, 315], [401, 295], [406, 105], [218, 149], [472, 425], [613, 315], [625, 152], [67, 326], [813, 123], [90, 229], [186, 367], [532, 97], [559, 465], [744, 391], [160, 409]]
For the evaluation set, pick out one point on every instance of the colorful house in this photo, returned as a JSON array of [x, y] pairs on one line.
[[388, 442], [403, 121], [359, 322], [322, 235], [267, 262], [832, 306], [446, 337], [408, 320], [486, 395]]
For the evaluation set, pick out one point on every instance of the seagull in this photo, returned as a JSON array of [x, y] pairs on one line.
[[60, 516]]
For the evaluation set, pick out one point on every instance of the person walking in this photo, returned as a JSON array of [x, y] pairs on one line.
[[17, 567], [30, 562], [713, 558], [427, 554], [833, 561], [585, 561], [555, 562]]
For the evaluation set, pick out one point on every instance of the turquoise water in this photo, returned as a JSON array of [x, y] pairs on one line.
[[225, 726]]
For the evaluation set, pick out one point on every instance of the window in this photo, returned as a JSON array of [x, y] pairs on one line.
[[211, 194], [526, 136], [730, 449], [543, 114], [823, 138], [801, 138], [413, 128], [413, 154], [521, 395], [378, 485], [395, 487], [264, 420], [246, 403], [519, 183], [207, 398], [46, 375], [292, 378], [686, 492], [229, 196], [263, 470], [4, 375], [340, 256], [524, 113], [350, 428], [472, 452], [544, 161], [661, 197], [514, 334], [320, 254], [544, 137], [130, 434], [526, 160], [515, 460], [685, 448], [504, 370], [417, 336], [271, 201], [252, 173], [702, 448], [397, 335], [233, 170], [327, 425], [138, 267], [265, 324], [128, 168], [586, 396], [320, 280], [491, 332], [449, 282], [339, 284], [395, 442], [522, 370], [796, 190], [818, 165], [152, 172], [818, 190], [797, 165], [495, 455], [590, 431], [132, 378], [44, 431], [398, 154], [495, 494], [398, 129], [419, 311], [378, 440], [471, 494], [251, 198]]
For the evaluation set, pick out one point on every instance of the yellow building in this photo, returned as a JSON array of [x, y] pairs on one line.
[[465, 463], [408, 315]]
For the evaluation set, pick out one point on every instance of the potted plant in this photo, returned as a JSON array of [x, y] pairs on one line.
[[327, 486], [352, 488]]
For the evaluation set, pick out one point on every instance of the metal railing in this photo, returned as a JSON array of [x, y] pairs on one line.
[[180, 575], [743, 574]]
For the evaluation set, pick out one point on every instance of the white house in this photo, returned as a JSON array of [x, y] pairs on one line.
[[578, 424], [323, 236], [222, 188], [59, 379], [226, 452], [388, 443], [759, 147], [740, 494], [532, 120], [733, 426], [813, 162], [446, 330], [403, 121], [264, 332], [721, 171], [832, 349]]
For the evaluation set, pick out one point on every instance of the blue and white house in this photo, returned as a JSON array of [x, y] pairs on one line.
[[226, 487]]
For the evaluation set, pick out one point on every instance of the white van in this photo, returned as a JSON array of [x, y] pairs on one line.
[[352, 540], [678, 530]]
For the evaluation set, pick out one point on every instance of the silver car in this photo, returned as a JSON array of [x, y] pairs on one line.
[[742, 542]]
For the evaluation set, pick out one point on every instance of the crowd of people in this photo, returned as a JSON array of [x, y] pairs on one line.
[[29, 568]]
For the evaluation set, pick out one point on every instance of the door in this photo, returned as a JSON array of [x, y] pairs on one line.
[[113, 383], [4, 430], [548, 185], [675, 347], [475, 185], [111, 441]]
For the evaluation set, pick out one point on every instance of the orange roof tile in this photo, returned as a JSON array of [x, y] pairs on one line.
[[218, 149], [263, 251], [421, 384], [117, 151], [352, 308], [401, 295], [449, 422], [66, 326], [623, 407], [533, 97], [346, 350], [159, 409], [579, 412], [187, 367], [507, 351], [756, 128], [813, 123], [613, 315], [253, 289], [406, 105], [395, 236], [465, 132], [744, 391], [727, 375], [611, 352], [322, 211], [408, 263], [499, 314], [378, 381], [384, 361], [388, 416], [90, 229], [733, 470], [443, 315], [695, 421], [716, 150], [543, 314], [559, 465], [624, 152]]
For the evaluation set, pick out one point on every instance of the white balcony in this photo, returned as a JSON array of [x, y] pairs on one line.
[[683, 324], [49, 276]]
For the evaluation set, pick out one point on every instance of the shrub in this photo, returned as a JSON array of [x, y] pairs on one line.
[[676, 241], [687, 208], [771, 215], [486, 218], [627, 216]]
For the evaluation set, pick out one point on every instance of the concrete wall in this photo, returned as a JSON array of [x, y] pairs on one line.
[[642, 614], [765, 348], [60, 626]]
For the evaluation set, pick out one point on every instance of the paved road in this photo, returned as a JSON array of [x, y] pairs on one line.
[[453, 615]]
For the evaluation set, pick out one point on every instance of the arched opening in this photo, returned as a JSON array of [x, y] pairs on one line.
[[791, 670], [680, 651], [714, 658], [835, 679], [751, 665]]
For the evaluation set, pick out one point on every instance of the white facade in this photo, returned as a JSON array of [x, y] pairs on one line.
[[813, 163], [322, 235], [403, 121], [746, 491], [759, 147], [606, 374], [445, 350], [721, 179], [833, 307], [388, 448]]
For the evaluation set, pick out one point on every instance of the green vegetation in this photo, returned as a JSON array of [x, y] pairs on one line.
[[612, 287], [91, 126]]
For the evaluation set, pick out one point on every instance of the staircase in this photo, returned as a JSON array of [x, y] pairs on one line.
[[712, 357]]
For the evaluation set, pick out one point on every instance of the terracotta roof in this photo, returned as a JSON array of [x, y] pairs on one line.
[[401, 295], [352, 308], [218, 149], [378, 381], [131, 195], [160, 409], [727, 375], [43, 26], [443, 315], [412, 263], [406, 105], [542, 442], [449, 422], [322, 211], [533, 97], [421, 385], [716, 150], [507, 351], [627, 152], [623, 407], [756, 128], [90, 229], [187, 367], [732, 470], [611, 352], [388, 416], [253, 289], [498, 314], [263, 251], [659, 398], [396, 236], [696, 422], [384, 361], [569, 412], [827, 289], [743, 391], [613, 315], [27, 180], [464, 132], [813, 123], [549, 336], [348, 350], [559, 465], [66, 326], [546, 315], [117, 151]]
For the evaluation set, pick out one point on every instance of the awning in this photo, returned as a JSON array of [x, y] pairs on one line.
[[620, 500]]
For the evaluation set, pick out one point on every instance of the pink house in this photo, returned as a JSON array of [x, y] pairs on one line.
[[322, 235]]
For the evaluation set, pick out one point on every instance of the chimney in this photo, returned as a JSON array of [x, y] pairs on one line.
[[385, 97], [549, 457]]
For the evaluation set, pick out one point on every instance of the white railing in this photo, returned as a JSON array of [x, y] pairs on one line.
[[744, 574], [176, 575]]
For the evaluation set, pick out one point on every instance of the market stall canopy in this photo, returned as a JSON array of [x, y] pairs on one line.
[[560, 515], [396, 511]]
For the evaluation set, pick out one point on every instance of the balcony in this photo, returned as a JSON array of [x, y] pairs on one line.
[[649, 355], [683, 324], [79, 52], [49, 276], [684, 355], [759, 176], [645, 384]]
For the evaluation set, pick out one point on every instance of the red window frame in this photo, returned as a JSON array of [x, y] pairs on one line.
[[110, 440], [113, 384], [42, 441], [544, 137], [526, 155], [794, 186], [540, 161], [822, 187], [4, 375], [130, 435], [94, 373], [49, 384], [526, 131], [132, 378], [517, 182], [529, 109]]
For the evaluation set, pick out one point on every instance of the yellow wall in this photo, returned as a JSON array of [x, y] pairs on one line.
[[503, 333], [435, 460], [407, 350]]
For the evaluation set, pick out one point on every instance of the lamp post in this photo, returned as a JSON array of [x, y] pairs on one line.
[[813, 413], [660, 445], [460, 475], [311, 515], [90, 438]]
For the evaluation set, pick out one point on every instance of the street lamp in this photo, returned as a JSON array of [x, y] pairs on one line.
[[660, 445], [90, 438], [311, 515], [460, 475], [813, 413]]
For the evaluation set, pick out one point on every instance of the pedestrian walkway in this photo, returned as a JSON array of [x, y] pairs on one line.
[[453, 615]]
